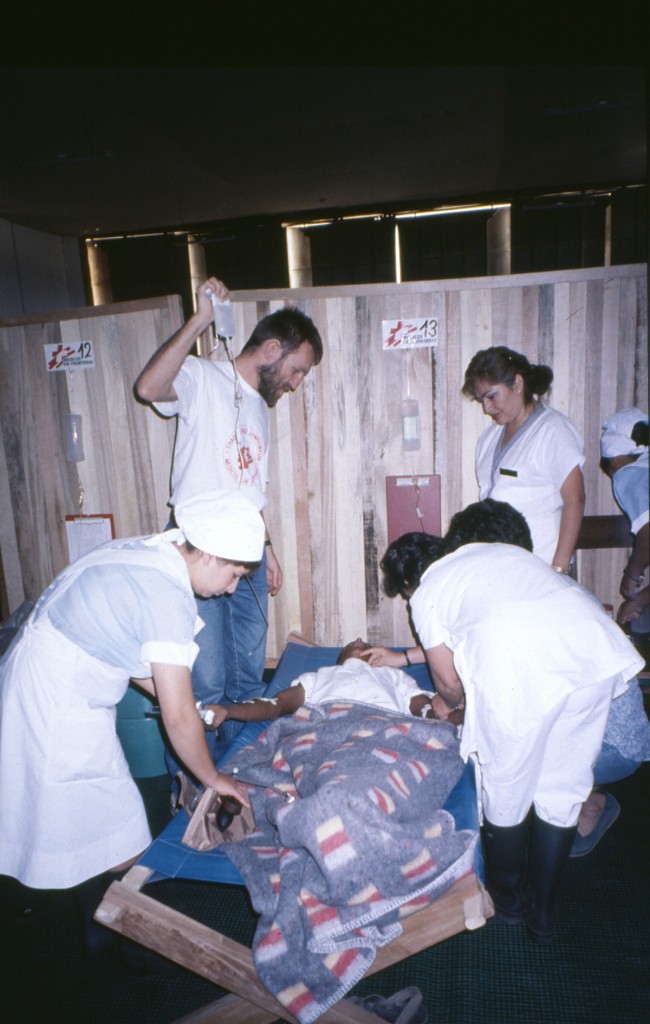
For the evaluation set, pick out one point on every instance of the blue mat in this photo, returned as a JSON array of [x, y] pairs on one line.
[[168, 857]]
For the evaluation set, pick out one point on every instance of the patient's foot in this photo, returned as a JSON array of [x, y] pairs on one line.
[[591, 811]]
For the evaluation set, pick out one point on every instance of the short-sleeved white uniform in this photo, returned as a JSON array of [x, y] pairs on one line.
[[630, 486], [530, 471], [355, 680], [539, 661], [69, 808], [219, 444]]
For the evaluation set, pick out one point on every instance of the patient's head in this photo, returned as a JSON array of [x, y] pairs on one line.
[[355, 649]]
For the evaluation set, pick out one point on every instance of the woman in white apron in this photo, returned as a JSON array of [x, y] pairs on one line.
[[69, 809]]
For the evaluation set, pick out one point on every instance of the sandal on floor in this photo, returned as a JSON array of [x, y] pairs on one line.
[[403, 1007], [585, 844]]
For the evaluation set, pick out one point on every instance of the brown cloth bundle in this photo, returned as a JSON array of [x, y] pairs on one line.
[[202, 807]]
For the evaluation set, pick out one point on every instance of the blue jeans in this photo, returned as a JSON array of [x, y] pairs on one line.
[[612, 766], [229, 667]]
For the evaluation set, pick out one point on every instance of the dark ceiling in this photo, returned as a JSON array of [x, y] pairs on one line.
[[110, 151]]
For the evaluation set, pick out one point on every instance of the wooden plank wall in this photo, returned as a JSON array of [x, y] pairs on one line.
[[127, 447], [334, 441], [340, 435]]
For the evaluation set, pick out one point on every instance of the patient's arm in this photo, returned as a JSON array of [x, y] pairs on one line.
[[420, 706], [262, 709], [449, 689], [434, 707]]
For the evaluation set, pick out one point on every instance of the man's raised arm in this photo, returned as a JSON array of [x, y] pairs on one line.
[[156, 381]]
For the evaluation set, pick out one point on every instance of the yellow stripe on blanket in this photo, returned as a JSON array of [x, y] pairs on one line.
[[369, 894], [334, 842], [421, 865]]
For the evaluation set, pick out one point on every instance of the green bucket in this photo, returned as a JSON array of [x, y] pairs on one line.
[[140, 736]]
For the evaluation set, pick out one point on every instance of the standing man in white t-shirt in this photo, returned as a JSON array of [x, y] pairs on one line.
[[222, 442]]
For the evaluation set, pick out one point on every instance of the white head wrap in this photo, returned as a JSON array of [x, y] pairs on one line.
[[616, 436], [222, 523]]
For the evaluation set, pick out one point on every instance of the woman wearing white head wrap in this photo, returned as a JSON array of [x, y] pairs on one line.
[[69, 809]]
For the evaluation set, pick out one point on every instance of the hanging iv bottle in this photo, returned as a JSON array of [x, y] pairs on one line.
[[410, 425]]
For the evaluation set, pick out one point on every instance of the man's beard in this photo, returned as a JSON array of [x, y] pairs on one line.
[[269, 386]]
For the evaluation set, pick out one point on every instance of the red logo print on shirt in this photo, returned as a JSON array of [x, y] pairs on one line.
[[243, 455], [245, 458]]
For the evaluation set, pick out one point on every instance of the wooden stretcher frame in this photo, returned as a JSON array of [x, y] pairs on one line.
[[209, 953], [228, 964]]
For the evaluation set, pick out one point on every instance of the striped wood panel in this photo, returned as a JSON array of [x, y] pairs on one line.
[[339, 436], [127, 447], [334, 441]]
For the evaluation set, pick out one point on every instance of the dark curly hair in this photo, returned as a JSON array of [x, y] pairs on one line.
[[406, 559], [488, 521], [500, 365]]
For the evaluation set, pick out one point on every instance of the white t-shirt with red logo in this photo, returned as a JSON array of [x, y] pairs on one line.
[[219, 444]]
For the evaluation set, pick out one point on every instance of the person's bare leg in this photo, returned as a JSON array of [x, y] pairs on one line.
[[591, 811]]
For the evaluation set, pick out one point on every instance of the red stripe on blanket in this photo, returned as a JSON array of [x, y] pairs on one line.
[[399, 784], [381, 800], [383, 754], [296, 998], [422, 865], [271, 946], [343, 962]]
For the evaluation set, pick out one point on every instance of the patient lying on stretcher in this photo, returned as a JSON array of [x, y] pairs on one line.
[[348, 786], [351, 679]]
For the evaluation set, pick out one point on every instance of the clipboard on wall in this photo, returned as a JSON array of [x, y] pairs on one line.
[[413, 504], [85, 532]]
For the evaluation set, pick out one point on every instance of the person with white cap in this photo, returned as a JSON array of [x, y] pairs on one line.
[[69, 809], [624, 458], [223, 438]]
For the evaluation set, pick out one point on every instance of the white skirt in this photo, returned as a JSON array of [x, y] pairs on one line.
[[69, 808]]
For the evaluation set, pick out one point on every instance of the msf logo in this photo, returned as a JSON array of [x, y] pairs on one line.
[[245, 458], [59, 356]]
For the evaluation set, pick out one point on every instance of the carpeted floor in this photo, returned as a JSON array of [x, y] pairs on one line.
[[598, 969]]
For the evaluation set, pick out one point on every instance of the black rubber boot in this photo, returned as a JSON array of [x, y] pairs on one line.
[[88, 896], [100, 941], [505, 857], [550, 847]]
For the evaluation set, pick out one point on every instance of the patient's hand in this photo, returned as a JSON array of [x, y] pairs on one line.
[[220, 713], [444, 713]]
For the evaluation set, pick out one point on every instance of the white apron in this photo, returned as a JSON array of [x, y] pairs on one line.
[[69, 808]]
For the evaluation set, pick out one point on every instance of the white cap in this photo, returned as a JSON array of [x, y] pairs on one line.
[[616, 437], [222, 523]]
